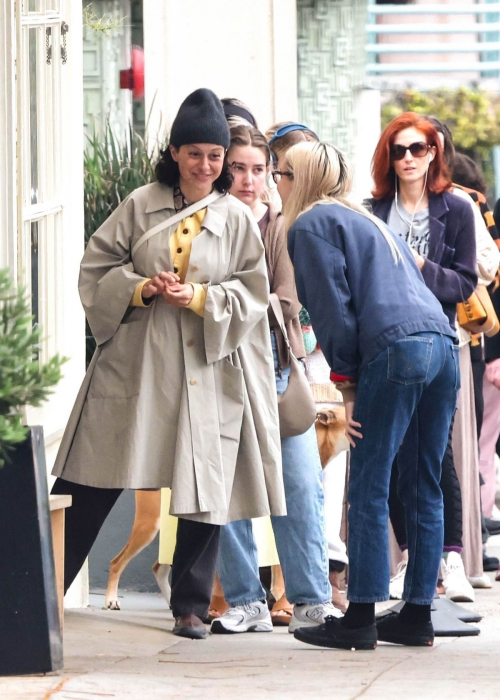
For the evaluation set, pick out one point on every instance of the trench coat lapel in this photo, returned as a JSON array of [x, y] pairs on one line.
[[160, 197]]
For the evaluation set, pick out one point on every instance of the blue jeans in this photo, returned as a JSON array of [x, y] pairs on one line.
[[300, 535], [405, 401]]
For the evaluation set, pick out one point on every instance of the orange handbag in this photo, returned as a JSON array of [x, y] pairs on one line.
[[477, 314]]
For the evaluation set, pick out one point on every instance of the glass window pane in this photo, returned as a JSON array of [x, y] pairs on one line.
[[34, 272], [52, 6], [33, 63]]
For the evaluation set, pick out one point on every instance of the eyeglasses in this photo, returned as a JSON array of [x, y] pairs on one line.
[[419, 149], [278, 174]]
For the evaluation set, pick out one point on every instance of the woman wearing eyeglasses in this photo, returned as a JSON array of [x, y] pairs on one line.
[[282, 137], [299, 535], [392, 348]]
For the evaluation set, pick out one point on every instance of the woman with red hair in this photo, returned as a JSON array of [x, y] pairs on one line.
[[413, 195]]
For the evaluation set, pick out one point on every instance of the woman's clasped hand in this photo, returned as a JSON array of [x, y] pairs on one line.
[[169, 286]]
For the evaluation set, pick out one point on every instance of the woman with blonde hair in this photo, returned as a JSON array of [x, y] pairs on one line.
[[283, 136], [300, 536], [393, 353]]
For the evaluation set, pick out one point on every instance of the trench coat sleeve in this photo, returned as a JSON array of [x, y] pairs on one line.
[[107, 279], [236, 305], [456, 283]]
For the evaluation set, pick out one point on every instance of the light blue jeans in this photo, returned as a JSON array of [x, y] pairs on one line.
[[300, 535]]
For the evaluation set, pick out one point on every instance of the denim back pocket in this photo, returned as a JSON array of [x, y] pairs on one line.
[[409, 360]]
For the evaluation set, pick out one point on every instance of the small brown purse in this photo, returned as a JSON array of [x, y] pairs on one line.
[[296, 406], [477, 314]]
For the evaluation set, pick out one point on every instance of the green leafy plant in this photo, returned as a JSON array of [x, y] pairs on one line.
[[473, 117], [101, 25], [23, 380], [113, 168]]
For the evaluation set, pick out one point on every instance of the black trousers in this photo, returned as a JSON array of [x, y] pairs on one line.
[[478, 369], [195, 556], [452, 502]]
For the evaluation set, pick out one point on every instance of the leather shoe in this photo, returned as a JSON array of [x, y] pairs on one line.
[[189, 626], [333, 635], [391, 629]]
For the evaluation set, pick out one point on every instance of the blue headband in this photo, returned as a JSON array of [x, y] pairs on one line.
[[284, 130]]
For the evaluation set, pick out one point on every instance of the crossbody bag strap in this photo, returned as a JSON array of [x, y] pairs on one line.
[[278, 312], [176, 218]]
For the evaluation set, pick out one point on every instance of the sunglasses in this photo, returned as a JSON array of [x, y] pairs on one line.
[[419, 149]]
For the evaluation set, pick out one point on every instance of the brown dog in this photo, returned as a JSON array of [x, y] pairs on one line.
[[330, 426], [144, 530], [330, 432]]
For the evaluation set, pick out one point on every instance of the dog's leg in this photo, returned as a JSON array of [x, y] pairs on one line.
[[144, 530], [277, 582]]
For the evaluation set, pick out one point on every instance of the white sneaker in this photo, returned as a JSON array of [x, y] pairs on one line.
[[397, 583], [455, 583], [254, 617], [495, 513], [483, 581], [312, 615]]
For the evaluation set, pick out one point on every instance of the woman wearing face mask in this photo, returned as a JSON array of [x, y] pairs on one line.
[[391, 348], [412, 194], [180, 391], [299, 535]]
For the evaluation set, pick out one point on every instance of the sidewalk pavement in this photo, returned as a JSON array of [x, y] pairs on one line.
[[131, 655]]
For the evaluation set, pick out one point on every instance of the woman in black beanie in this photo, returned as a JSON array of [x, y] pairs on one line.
[[180, 391]]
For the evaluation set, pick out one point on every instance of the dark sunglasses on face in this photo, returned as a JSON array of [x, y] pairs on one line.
[[419, 149]]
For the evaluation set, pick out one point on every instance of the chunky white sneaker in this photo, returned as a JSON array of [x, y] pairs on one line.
[[455, 583], [253, 617], [397, 582], [311, 615], [483, 581]]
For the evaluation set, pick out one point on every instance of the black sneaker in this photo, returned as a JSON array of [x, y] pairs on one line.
[[391, 629], [333, 635]]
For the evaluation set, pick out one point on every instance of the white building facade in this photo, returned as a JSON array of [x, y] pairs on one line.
[[245, 49]]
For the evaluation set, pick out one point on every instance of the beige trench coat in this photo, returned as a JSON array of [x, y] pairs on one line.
[[172, 399]]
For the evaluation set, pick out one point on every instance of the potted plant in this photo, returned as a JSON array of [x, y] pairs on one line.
[[30, 637]]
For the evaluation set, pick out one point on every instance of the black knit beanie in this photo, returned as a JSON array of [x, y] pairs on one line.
[[200, 119]]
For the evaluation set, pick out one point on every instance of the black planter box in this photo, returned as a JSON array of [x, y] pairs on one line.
[[30, 634]]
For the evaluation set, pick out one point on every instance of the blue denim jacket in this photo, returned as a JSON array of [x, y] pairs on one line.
[[360, 301]]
